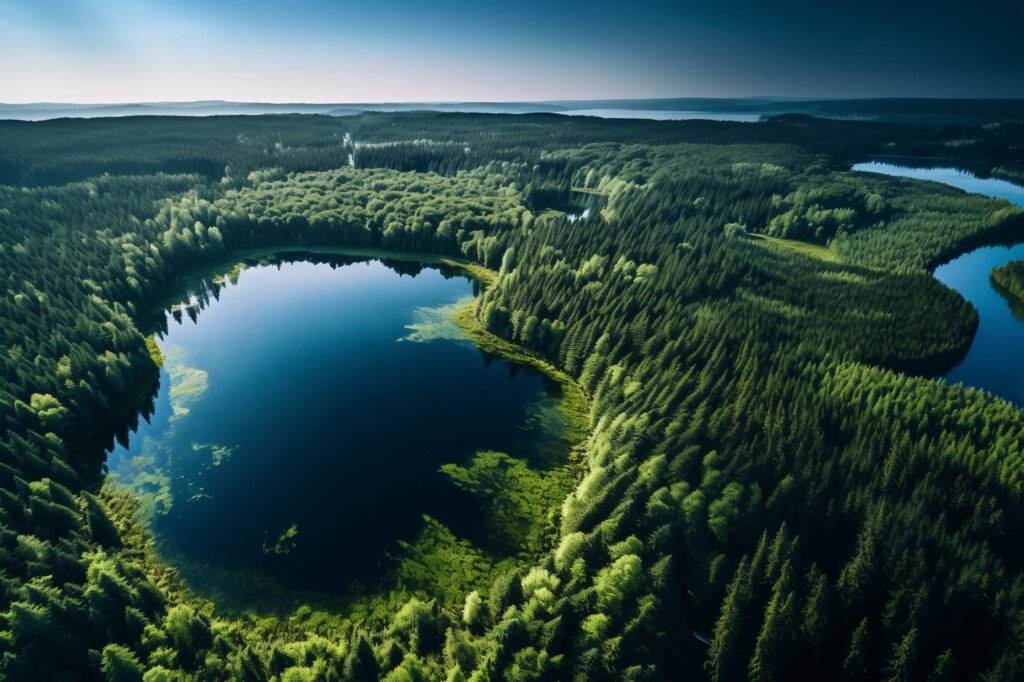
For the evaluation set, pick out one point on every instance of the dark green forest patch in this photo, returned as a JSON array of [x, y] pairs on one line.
[[1009, 279]]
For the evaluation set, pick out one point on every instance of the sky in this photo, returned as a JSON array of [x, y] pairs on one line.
[[531, 50]]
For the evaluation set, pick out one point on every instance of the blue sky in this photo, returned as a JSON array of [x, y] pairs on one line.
[[421, 50]]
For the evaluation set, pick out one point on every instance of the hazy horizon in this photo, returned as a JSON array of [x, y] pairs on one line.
[[346, 102], [329, 102]]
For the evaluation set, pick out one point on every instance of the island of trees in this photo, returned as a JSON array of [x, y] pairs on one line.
[[1010, 279], [769, 485]]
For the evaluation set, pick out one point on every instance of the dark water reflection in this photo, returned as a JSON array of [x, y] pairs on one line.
[[301, 420]]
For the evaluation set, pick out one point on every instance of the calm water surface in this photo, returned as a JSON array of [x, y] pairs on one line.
[[666, 115], [301, 420], [995, 361]]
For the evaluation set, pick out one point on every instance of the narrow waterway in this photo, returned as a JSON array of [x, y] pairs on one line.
[[995, 361]]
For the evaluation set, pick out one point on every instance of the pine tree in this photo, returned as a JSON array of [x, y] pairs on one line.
[[361, 663]]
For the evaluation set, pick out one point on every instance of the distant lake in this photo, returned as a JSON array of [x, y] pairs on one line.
[[301, 420], [42, 112], [995, 361], [658, 115]]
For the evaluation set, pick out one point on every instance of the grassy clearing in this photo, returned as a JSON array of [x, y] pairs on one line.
[[818, 251]]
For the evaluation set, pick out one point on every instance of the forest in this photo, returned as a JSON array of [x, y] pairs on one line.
[[770, 484], [1010, 279]]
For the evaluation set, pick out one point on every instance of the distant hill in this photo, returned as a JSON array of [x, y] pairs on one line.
[[967, 111], [46, 110]]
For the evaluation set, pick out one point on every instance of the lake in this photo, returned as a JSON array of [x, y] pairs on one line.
[[666, 115], [301, 419], [43, 112], [994, 361]]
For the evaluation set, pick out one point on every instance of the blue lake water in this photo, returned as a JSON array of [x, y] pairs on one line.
[[666, 115], [995, 361], [301, 420]]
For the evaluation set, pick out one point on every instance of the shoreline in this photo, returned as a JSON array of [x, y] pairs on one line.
[[571, 401]]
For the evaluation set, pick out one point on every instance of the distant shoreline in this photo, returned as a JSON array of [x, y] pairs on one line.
[[673, 108]]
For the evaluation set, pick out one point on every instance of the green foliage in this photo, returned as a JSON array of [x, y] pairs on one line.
[[361, 664], [418, 623], [1009, 279], [735, 331], [120, 664], [285, 542], [474, 613]]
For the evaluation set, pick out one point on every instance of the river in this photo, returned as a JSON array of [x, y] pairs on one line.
[[995, 361]]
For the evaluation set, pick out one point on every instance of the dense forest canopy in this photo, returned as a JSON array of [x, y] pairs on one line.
[[770, 487], [1010, 280]]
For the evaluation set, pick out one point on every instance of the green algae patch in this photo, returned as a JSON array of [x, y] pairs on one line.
[[822, 253], [435, 324], [188, 384], [219, 454], [286, 541]]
